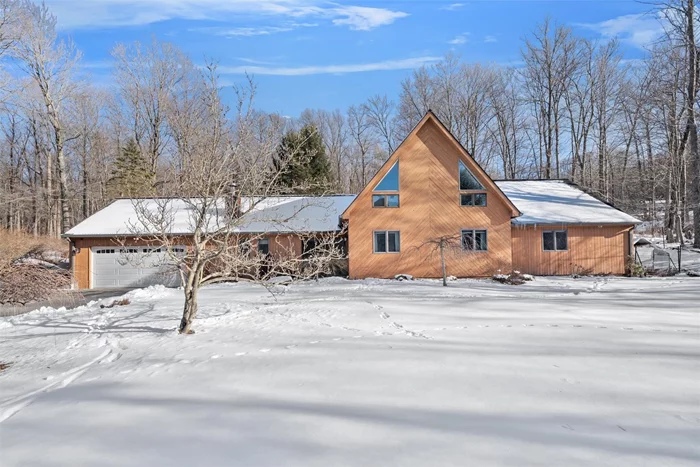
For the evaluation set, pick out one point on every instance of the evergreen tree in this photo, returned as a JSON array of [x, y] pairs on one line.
[[302, 163], [132, 176]]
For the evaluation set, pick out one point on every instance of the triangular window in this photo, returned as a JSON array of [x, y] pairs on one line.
[[467, 180], [390, 182]]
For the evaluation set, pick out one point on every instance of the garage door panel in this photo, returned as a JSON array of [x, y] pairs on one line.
[[133, 267]]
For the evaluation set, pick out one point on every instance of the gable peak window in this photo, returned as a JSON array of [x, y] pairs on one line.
[[555, 240], [472, 192], [467, 180], [390, 182]]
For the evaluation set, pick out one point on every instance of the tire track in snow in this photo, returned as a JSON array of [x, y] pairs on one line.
[[12, 406]]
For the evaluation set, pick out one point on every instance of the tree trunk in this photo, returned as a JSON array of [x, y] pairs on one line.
[[442, 259], [62, 180], [190, 311], [692, 127]]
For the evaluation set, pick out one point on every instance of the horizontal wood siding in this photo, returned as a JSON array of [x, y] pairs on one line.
[[592, 250], [430, 208], [279, 245]]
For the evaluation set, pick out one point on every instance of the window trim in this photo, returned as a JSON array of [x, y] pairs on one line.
[[554, 232], [486, 232], [473, 194], [386, 201], [386, 238]]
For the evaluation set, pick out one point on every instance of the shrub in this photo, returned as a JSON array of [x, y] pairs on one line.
[[514, 278]]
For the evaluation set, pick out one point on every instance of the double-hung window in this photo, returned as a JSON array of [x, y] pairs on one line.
[[474, 240], [555, 240], [386, 193], [387, 241], [471, 191]]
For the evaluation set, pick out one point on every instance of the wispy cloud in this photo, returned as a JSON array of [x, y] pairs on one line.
[[75, 14], [252, 31], [459, 40], [490, 39], [638, 30], [453, 6], [388, 65], [361, 18]]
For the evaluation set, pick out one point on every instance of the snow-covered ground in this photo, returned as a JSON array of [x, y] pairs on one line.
[[593, 371]]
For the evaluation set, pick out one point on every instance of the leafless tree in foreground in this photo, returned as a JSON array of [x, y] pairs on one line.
[[224, 159], [443, 247]]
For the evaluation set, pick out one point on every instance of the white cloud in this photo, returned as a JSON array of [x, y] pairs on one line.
[[490, 39], [638, 30], [453, 6], [459, 40], [75, 14], [361, 18], [404, 64]]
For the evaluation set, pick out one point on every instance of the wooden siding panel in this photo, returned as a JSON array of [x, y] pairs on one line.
[[279, 244], [429, 198], [592, 250]]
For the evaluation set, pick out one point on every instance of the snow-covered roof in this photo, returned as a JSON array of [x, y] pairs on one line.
[[283, 214], [559, 202]]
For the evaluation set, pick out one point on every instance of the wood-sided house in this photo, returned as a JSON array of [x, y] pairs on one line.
[[430, 188]]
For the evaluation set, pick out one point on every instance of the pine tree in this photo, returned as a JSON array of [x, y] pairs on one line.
[[302, 163], [132, 176]]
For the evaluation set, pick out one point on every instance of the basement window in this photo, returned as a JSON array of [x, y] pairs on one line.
[[474, 240], [387, 241], [555, 240]]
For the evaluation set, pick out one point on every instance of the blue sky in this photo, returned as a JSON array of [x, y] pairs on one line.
[[320, 54]]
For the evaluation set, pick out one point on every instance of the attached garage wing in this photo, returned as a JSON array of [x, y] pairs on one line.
[[114, 267]]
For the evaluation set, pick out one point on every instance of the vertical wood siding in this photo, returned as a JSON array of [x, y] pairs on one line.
[[592, 250], [430, 208]]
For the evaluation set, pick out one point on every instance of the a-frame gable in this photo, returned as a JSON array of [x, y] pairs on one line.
[[463, 155]]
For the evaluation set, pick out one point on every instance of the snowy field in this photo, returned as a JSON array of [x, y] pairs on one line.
[[559, 372]]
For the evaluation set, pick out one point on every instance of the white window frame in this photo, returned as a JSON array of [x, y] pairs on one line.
[[386, 240], [474, 231], [554, 232]]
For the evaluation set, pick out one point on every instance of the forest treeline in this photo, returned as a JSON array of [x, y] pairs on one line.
[[573, 108]]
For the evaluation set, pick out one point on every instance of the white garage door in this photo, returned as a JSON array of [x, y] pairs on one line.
[[132, 267]]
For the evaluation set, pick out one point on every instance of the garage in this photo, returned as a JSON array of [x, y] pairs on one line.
[[114, 267]]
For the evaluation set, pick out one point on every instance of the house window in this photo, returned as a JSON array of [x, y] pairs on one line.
[[467, 180], [264, 246], [308, 247], [555, 240], [387, 241], [473, 199], [385, 201], [390, 182], [474, 240]]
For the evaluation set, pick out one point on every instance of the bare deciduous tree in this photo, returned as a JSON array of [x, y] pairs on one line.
[[227, 158], [50, 63]]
